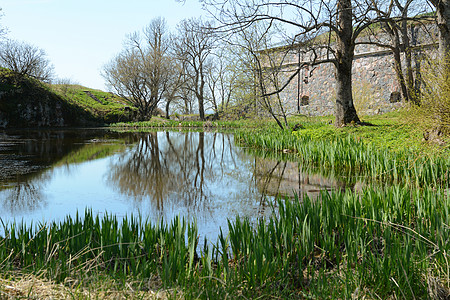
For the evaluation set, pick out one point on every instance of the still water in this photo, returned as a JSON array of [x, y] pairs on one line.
[[47, 175]]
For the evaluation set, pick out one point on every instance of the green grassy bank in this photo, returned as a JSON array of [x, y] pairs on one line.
[[389, 241], [105, 106], [29, 103]]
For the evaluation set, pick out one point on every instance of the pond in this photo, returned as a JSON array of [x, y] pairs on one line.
[[46, 175]]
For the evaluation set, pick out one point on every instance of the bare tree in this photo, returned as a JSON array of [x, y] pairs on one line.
[[333, 25], [194, 47], [242, 80], [176, 81], [25, 60], [187, 103], [443, 22], [140, 73], [394, 17], [221, 80], [265, 70], [213, 78]]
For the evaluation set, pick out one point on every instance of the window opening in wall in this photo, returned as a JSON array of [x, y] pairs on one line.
[[304, 100], [306, 76], [395, 97]]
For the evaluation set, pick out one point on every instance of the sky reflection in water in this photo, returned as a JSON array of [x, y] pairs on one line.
[[200, 175]]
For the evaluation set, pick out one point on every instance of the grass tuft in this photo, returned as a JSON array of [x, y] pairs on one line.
[[388, 242]]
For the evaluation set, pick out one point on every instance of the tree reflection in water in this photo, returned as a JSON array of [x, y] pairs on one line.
[[169, 166], [139, 172], [201, 174], [26, 196], [193, 170], [289, 178]]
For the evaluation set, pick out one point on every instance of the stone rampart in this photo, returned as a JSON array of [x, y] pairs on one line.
[[375, 85]]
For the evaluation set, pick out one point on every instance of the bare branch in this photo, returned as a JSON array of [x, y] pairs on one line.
[[25, 60]]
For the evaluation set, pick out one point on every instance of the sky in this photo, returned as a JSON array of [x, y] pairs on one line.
[[81, 36]]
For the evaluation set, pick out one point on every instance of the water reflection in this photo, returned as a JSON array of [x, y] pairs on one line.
[[27, 159], [287, 179], [48, 175], [25, 196], [280, 174], [183, 169], [142, 172]]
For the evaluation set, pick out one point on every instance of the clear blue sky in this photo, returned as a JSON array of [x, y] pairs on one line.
[[80, 36]]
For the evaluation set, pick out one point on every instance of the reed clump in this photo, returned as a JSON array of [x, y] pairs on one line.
[[380, 243], [92, 245], [348, 156]]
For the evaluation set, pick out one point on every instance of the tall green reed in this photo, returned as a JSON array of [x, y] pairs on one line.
[[78, 245], [381, 240], [351, 158], [385, 241]]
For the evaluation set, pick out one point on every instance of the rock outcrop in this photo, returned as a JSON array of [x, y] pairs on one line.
[[28, 103]]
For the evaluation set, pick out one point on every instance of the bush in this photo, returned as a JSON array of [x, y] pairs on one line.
[[434, 109]]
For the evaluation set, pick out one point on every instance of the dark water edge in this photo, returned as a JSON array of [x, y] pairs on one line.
[[23, 152]]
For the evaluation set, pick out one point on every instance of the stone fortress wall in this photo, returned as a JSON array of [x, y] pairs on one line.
[[375, 85]]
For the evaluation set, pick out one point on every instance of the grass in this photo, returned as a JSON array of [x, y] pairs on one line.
[[30, 103], [390, 152], [388, 241], [73, 101], [350, 158], [103, 105], [392, 131], [157, 122], [27, 286]]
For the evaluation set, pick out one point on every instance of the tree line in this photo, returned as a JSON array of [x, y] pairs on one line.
[[227, 61], [185, 69], [223, 62]]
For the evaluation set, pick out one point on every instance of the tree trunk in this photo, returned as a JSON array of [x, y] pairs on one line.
[[399, 72], [443, 21], [142, 112], [408, 61], [201, 108], [345, 110], [167, 109], [392, 31], [200, 96]]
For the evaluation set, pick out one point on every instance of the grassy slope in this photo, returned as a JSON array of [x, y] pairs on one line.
[[77, 105], [104, 105]]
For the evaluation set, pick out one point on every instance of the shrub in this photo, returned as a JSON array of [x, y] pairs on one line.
[[434, 109]]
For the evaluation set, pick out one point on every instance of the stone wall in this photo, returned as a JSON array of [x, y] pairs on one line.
[[375, 86]]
